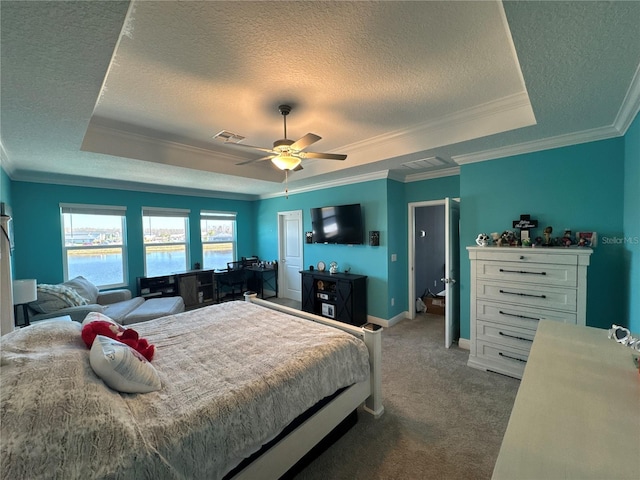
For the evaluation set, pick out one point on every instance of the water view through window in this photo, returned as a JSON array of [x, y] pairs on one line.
[[95, 242], [105, 267]]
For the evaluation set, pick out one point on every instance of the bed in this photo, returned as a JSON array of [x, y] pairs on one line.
[[233, 376]]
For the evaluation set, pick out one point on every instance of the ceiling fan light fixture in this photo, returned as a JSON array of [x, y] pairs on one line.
[[286, 162], [286, 154]]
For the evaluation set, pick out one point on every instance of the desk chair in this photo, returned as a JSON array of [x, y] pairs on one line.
[[233, 279]]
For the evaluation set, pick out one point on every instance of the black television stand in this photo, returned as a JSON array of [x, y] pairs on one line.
[[339, 296]]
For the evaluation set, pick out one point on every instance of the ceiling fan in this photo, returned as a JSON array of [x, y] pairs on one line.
[[287, 154]]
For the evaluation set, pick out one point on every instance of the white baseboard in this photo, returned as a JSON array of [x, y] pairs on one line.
[[388, 323], [464, 343]]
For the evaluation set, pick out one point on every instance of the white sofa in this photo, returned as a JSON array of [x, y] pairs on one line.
[[78, 296]]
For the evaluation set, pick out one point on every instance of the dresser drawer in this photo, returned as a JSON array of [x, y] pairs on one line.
[[502, 358], [527, 255], [537, 273], [532, 296], [518, 315], [500, 334]]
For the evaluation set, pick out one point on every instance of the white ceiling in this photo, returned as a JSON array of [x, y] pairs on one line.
[[130, 94]]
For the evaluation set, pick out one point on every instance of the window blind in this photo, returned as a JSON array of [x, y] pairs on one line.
[[164, 212], [213, 215], [92, 209]]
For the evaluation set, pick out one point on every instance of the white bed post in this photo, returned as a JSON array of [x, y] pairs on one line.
[[373, 341]]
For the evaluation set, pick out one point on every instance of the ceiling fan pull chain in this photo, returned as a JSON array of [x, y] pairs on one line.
[[286, 184]]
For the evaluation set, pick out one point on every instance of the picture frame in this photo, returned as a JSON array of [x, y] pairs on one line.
[[587, 239], [328, 310]]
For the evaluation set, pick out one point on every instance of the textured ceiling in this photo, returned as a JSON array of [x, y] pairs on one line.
[[129, 95]]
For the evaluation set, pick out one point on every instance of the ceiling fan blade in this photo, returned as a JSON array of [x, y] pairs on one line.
[[304, 142], [326, 156], [268, 157], [262, 149], [298, 168]]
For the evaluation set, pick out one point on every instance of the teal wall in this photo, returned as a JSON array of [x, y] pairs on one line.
[[592, 186], [5, 187], [578, 187], [38, 230], [632, 222], [434, 189], [400, 195], [397, 216], [362, 259]]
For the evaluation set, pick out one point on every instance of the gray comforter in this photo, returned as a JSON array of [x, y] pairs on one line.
[[233, 375]]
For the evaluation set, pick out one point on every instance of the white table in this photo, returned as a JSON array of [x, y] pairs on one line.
[[577, 412]]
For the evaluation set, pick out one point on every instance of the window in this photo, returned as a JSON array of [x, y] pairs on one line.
[[94, 244], [218, 234], [165, 240]]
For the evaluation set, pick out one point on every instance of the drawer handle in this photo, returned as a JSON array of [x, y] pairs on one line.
[[513, 336], [523, 294], [502, 270], [518, 316], [512, 358]]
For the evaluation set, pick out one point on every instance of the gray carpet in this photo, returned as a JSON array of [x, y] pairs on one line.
[[442, 420]]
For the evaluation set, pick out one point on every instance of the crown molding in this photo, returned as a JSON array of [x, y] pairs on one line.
[[630, 105], [90, 182], [5, 161], [507, 113], [367, 177], [429, 175], [566, 140], [111, 140], [148, 139], [627, 113], [396, 175]]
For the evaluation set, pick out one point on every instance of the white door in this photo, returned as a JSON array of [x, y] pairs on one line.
[[452, 267], [290, 253]]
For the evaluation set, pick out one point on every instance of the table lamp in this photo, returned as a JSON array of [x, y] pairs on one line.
[[24, 291]]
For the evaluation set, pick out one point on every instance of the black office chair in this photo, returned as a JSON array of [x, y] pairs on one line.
[[232, 280], [239, 265]]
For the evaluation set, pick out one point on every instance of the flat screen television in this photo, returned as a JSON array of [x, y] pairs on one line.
[[338, 224]]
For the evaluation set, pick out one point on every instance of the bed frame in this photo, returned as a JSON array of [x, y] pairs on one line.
[[287, 452]]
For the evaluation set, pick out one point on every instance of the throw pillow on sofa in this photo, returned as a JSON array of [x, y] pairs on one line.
[[52, 298], [85, 288]]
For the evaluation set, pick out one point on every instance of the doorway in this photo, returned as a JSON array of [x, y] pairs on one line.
[[429, 250], [290, 255], [433, 257]]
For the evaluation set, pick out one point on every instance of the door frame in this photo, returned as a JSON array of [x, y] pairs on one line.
[[281, 252], [412, 250], [412, 245]]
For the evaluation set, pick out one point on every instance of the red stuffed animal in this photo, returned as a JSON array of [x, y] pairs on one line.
[[127, 336]]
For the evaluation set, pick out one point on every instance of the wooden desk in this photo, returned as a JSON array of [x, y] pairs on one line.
[[577, 412]]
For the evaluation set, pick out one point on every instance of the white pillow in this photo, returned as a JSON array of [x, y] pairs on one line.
[[121, 367]]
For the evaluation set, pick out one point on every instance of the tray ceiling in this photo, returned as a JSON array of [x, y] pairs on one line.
[[130, 95]]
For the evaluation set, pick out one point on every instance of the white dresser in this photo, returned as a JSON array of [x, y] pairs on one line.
[[512, 289]]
